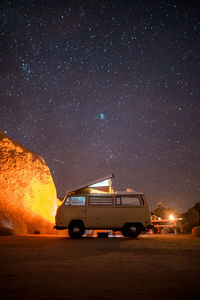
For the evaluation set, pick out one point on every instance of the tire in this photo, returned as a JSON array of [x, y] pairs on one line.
[[131, 230], [76, 230]]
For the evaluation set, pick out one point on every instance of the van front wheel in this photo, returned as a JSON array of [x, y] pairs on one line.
[[131, 230], [76, 230]]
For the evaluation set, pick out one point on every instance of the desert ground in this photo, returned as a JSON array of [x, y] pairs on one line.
[[56, 267]]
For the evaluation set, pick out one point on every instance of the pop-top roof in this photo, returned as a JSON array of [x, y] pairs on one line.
[[91, 183]]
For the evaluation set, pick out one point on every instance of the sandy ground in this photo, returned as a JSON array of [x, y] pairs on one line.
[[56, 267]]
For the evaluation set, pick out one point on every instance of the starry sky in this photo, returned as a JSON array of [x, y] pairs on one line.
[[100, 87]]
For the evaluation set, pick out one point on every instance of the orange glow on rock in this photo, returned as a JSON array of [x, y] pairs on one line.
[[28, 198]]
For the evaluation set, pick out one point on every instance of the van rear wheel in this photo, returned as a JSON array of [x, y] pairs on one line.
[[76, 230], [131, 230]]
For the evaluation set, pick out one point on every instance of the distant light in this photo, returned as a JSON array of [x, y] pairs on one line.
[[171, 217]]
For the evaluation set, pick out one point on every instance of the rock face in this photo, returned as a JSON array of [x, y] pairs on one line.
[[28, 197], [196, 231]]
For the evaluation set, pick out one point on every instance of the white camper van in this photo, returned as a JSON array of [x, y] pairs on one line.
[[97, 206]]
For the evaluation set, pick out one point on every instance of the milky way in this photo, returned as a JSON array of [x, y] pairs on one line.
[[99, 87]]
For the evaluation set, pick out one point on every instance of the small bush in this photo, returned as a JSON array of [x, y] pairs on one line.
[[196, 231]]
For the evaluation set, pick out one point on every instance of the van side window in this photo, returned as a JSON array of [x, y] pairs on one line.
[[128, 201], [75, 200], [101, 201]]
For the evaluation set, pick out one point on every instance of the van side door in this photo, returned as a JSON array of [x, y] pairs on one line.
[[100, 211]]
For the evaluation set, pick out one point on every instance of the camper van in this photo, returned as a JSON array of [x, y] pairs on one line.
[[97, 206]]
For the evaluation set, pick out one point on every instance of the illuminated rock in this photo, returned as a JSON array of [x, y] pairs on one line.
[[27, 193]]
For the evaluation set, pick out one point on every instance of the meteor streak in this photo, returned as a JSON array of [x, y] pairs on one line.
[[60, 161]]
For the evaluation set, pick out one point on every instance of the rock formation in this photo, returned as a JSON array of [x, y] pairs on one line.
[[196, 231], [27, 193]]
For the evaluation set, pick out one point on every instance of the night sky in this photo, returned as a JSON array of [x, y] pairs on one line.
[[100, 87]]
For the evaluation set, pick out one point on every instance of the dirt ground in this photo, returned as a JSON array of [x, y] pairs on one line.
[[56, 267]]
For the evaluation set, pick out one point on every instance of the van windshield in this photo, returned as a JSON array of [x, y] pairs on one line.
[[75, 200]]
